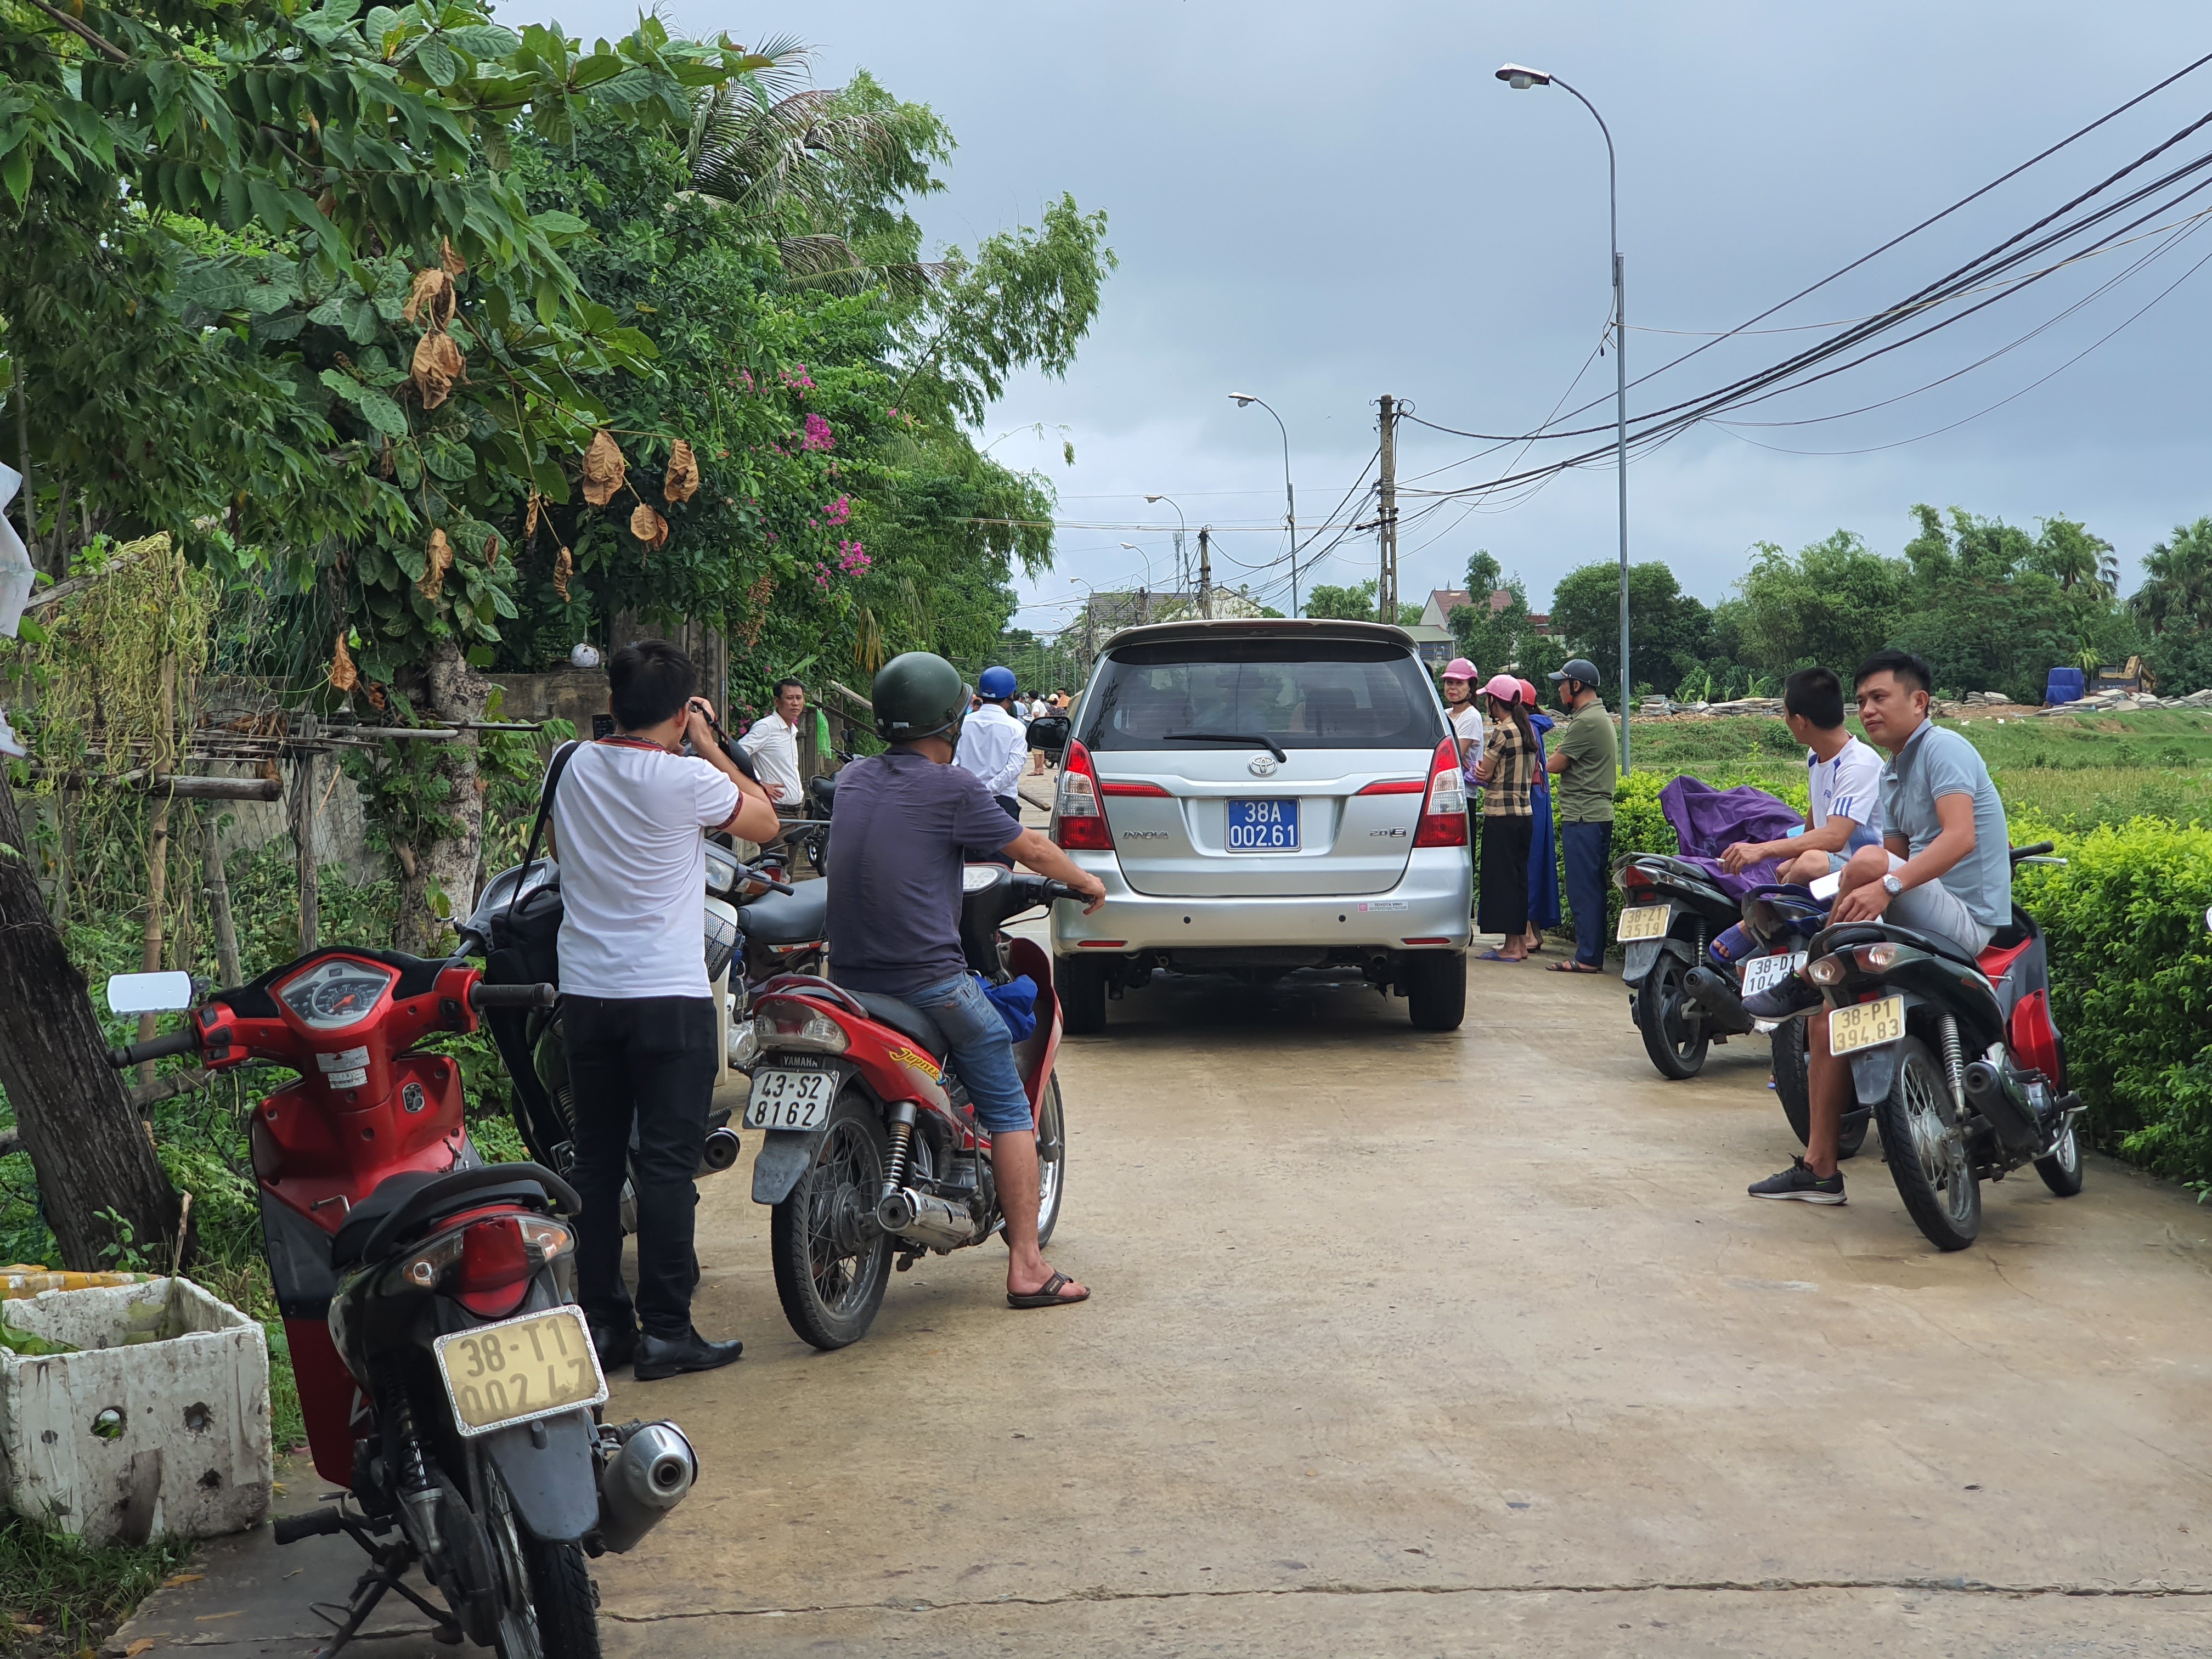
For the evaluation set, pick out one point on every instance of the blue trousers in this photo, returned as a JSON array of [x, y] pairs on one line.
[[1589, 854], [981, 1051]]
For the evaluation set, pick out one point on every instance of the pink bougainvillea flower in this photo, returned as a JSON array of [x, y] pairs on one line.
[[816, 435], [853, 558], [839, 511]]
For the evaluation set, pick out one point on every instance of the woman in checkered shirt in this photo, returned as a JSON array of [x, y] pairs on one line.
[[1509, 766]]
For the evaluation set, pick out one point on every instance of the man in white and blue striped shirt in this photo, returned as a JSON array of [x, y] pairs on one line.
[[1844, 780]]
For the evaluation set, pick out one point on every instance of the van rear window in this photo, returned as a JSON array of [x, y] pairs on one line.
[[1303, 694]]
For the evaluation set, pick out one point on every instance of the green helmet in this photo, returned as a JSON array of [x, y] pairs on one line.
[[917, 694]]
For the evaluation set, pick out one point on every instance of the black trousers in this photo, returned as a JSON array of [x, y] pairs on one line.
[[1502, 906], [1011, 807], [651, 1061]]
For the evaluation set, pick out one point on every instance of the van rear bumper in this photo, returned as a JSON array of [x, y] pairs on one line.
[[1430, 905]]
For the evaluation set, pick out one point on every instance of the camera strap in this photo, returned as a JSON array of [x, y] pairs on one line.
[[561, 759]]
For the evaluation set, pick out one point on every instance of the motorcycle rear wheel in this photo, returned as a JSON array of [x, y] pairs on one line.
[[1933, 1172], [549, 1609], [832, 1260], [1793, 1086], [1674, 1026], [2062, 1170], [1052, 1160]]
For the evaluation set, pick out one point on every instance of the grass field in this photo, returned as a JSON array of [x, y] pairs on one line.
[[2074, 771]]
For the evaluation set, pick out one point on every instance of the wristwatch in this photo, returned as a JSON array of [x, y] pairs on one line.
[[1892, 885]]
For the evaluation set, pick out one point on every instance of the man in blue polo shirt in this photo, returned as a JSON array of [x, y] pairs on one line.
[[1944, 868]]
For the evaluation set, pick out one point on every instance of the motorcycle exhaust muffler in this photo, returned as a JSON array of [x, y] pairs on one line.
[[647, 1476], [1718, 999], [926, 1218], [2001, 1097], [720, 1152]]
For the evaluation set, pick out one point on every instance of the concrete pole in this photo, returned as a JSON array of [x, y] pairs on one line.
[[1205, 572], [1386, 529]]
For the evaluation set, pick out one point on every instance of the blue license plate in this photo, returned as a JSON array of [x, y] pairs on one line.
[[1263, 826]]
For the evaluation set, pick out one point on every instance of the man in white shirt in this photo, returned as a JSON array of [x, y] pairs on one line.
[[630, 814], [992, 741], [773, 744], [1844, 778]]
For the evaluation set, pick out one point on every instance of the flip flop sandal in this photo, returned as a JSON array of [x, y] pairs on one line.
[[1048, 1295], [1572, 966], [1492, 956]]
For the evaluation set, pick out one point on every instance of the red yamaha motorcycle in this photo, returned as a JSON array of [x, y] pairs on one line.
[[870, 1148], [447, 1377]]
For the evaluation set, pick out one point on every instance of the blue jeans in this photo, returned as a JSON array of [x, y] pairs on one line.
[[1589, 854], [981, 1051]]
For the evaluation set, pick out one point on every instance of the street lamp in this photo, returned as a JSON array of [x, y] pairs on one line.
[[1243, 399], [1519, 77], [1183, 529]]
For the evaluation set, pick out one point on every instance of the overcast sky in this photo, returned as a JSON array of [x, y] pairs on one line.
[[1318, 203]]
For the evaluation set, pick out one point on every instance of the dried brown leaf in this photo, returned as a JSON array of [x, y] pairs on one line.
[[375, 696], [144, 1644], [605, 468], [430, 300], [564, 566], [452, 262], [438, 559], [438, 365], [681, 482], [530, 517], [649, 527], [344, 675]]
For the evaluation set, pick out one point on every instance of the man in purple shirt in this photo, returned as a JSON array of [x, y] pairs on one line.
[[907, 820]]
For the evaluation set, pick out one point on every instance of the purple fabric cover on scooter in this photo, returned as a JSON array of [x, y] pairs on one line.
[[1706, 820]]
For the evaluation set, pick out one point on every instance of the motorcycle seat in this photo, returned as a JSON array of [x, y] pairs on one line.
[[825, 789], [906, 1019], [414, 1200], [799, 917]]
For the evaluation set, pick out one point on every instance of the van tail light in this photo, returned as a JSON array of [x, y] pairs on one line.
[[1078, 822], [1444, 814]]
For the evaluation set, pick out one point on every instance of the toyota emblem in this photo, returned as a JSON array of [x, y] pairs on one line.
[[1261, 766]]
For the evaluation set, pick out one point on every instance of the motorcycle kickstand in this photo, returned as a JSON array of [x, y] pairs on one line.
[[390, 1563]]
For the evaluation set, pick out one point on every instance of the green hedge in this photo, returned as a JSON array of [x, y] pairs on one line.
[[2131, 983]]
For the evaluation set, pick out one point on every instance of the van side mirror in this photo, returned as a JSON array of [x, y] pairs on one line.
[[149, 994], [1050, 732]]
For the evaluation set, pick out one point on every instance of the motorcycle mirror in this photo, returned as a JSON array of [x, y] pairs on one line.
[[149, 994], [2207, 922]]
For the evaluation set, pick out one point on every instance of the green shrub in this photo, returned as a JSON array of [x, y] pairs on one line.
[[2131, 983]]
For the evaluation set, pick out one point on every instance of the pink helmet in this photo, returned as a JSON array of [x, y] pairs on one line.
[[1459, 668], [1504, 687]]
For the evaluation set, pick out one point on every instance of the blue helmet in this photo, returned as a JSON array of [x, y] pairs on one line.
[[996, 684]]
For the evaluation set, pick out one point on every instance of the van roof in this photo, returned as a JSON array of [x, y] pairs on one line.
[[1247, 627]]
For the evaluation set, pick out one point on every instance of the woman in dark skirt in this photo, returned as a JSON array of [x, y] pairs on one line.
[[1509, 766]]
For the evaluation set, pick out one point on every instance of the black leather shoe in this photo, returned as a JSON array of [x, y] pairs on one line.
[[1794, 996], [616, 1343], [674, 1356]]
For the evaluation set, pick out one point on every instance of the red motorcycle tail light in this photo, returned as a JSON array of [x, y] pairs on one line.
[[1444, 815], [788, 1023], [1078, 822], [495, 1267]]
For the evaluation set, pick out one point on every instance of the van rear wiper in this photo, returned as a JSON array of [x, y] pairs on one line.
[[1267, 744]]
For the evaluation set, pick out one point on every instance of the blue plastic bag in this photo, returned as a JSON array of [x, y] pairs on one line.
[[1016, 1002]]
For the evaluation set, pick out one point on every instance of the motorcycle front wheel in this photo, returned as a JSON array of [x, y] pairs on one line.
[[1674, 1026], [548, 1608], [832, 1260], [1935, 1174], [2060, 1168]]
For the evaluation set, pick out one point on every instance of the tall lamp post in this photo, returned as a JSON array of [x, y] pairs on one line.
[[1183, 529], [1289, 496], [1521, 78]]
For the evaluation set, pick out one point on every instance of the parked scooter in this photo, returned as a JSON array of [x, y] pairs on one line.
[[1909, 1009], [447, 1377], [1671, 912], [1778, 923], [871, 1148]]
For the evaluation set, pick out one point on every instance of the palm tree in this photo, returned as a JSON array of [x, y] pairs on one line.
[[2177, 589], [802, 164]]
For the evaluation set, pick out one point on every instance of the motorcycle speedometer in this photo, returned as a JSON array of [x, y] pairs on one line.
[[336, 991]]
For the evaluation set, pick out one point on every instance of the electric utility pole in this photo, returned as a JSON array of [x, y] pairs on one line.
[[1205, 572], [1386, 528]]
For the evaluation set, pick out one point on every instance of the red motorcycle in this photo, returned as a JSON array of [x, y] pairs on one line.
[[447, 1377], [870, 1148]]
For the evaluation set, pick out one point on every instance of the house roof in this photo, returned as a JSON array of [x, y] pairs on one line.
[[1449, 600]]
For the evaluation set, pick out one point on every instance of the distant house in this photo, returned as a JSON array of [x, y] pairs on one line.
[[1442, 601], [1436, 645]]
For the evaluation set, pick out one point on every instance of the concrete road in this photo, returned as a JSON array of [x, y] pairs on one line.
[[1407, 1343]]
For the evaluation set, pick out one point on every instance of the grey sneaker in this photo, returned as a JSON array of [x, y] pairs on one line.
[[1798, 1182]]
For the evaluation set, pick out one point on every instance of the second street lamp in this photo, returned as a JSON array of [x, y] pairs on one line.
[[1289, 496], [1519, 77]]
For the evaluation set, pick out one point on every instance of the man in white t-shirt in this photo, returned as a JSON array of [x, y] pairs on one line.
[[630, 814], [1843, 777], [992, 741], [773, 745]]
